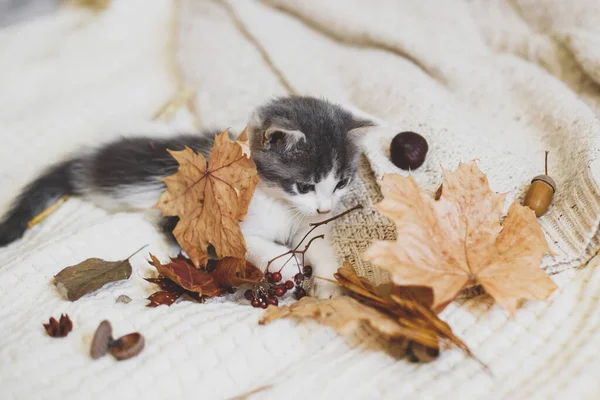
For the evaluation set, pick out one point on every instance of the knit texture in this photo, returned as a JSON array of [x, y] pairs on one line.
[[498, 81]]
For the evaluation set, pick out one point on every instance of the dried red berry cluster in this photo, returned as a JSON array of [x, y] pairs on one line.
[[262, 297]]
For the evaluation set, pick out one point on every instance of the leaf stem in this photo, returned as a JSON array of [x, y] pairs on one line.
[[137, 251]]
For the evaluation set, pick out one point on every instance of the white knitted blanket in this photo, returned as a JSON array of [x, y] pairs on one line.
[[499, 81]]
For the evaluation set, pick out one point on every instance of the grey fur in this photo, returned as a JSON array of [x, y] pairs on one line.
[[326, 146], [307, 138]]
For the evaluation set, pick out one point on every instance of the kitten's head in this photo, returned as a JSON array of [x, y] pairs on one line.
[[306, 151]]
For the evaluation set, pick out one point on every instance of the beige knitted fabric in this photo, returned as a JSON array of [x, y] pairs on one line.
[[473, 78], [502, 81]]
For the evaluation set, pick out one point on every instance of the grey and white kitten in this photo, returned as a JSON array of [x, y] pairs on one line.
[[306, 152]]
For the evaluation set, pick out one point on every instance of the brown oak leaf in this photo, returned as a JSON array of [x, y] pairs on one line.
[[230, 272], [59, 328], [210, 197], [186, 276], [458, 240]]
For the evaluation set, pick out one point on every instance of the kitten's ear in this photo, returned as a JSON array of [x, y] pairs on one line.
[[271, 135], [278, 138], [361, 122]]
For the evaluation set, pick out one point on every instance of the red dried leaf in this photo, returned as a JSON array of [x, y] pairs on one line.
[[163, 297], [232, 271], [59, 328], [183, 273], [169, 293]]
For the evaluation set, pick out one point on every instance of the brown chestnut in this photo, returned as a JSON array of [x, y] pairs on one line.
[[408, 150]]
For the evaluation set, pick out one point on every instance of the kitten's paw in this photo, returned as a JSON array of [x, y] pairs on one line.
[[325, 290]]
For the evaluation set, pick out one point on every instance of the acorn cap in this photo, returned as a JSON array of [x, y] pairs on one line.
[[546, 179], [127, 346]]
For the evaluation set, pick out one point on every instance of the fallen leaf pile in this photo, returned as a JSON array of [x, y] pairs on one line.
[[180, 277], [211, 197], [459, 241], [59, 328], [387, 314]]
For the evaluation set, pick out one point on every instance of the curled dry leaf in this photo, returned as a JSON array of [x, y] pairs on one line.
[[409, 307], [458, 240], [230, 272], [210, 198], [344, 314], [186, 276], [59, 328]]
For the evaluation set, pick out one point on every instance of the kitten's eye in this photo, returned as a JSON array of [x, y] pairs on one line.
[[305, 187], [342, 184]]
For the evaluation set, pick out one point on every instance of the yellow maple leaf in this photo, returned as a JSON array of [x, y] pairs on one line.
[[210, 198], [458, 240]]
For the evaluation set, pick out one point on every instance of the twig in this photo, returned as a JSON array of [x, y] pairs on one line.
[[46, 212], [250, 393], [313, 226], [294, 252], [328, 280]]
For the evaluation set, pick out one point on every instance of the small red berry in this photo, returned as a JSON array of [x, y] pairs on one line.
[[289, 285], [263, 305], [255, 303], [269, 277], [307, 271], [298, 278], [276, 276], [300, 293], [279, 292], [249, 294], [273, 301]]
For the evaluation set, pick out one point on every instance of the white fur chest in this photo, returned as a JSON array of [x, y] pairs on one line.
[[271, 219]]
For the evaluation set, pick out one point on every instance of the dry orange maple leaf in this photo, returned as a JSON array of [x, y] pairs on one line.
[[210, 198], [459, 241]]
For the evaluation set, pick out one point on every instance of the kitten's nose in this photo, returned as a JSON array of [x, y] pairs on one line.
[[324, 211]]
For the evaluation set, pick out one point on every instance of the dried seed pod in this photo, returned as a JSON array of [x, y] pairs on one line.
[[540, 193], [127, 346], [102, 340], [408, 150], [59, 328]]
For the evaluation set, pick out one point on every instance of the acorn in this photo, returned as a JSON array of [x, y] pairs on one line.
[[408, 150], [540, 193], [122, 348]]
